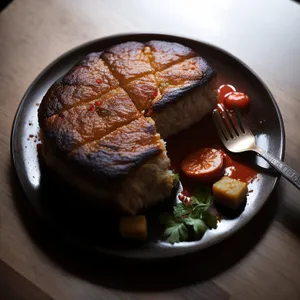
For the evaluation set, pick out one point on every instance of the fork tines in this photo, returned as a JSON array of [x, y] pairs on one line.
[[229, 125]]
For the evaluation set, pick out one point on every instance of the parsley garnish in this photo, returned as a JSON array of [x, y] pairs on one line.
[[180, 210], [176, 231], [175, 179], [190, 219]]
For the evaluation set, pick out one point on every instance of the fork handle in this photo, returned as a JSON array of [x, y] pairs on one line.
[[287, 172]]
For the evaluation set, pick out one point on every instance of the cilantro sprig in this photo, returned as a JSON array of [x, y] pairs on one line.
[[190, 220]]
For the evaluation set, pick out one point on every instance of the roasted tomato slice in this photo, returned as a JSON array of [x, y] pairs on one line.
[[205, 165]]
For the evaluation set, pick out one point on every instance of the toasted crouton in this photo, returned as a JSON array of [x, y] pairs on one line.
[[134, 227], [230, 192]]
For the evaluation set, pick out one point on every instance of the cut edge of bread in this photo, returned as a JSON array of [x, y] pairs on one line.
[[146, 185]]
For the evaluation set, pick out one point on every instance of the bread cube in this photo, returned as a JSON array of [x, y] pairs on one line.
[[134, 227], [230, 192]]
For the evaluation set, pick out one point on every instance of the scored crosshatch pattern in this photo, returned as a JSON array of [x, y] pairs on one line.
[[86, 81], [106, 90], [138, 138], [87, 121]]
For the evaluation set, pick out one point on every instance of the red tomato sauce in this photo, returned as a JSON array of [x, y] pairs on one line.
[[204, 135]]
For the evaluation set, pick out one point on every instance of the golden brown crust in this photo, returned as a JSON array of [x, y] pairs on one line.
[[117, 153], [163, 54], [143, 91], [61, 96], [179, 79], [126, 78], [127, 61], [86, 81], [91, 71], [181, 73], [83, 123]]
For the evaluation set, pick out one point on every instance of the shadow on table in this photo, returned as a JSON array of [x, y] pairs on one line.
[[135, 275]]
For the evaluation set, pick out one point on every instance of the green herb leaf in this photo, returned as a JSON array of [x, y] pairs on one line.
[[198, 210], [186, 219], [181, 210], [195, 200], [175, 179], [198, 225], [202, 195], [176, 232], [210, 219]]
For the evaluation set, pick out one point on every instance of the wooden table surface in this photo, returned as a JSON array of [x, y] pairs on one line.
[[260, 262]]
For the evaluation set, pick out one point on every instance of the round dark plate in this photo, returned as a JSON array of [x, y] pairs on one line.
[[80, 225]]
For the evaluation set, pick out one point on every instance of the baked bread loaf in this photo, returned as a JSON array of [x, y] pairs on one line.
[[102, 123]]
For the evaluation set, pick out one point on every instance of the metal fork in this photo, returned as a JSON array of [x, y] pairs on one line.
[[237, 137]]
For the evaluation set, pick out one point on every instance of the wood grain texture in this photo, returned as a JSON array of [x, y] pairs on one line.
[[260, 262], [14, 286]]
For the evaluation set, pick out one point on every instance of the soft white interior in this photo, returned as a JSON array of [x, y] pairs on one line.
[[149, 184], [143, 187], [187, 111]]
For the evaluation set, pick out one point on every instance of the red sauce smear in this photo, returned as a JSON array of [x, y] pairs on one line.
[[203, 135]]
